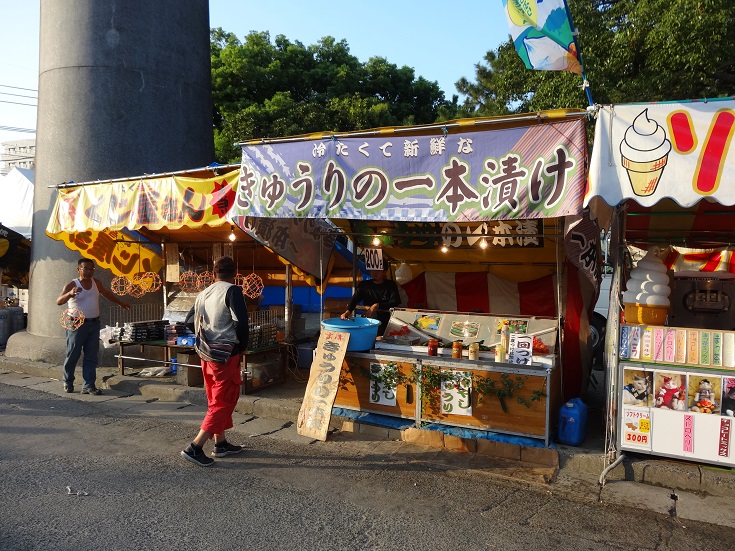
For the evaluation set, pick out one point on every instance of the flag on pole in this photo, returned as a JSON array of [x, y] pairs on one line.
[[542, 34]]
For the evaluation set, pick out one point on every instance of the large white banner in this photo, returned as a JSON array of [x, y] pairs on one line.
[[647, 152]]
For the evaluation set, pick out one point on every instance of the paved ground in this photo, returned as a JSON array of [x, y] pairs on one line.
[[271, 412]]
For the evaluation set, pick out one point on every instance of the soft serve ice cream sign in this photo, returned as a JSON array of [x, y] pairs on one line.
[[645, 151]]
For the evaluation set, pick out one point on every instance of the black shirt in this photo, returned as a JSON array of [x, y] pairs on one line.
[[384, 294]]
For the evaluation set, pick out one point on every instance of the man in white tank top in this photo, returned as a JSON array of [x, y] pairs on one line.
[[83, 295]]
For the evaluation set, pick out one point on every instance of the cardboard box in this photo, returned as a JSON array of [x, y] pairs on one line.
[[186, 374]]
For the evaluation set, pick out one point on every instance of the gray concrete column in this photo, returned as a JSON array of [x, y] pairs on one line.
[[124, 90]]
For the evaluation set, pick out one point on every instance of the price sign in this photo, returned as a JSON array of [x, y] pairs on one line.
[[520, 349], [373, 259]]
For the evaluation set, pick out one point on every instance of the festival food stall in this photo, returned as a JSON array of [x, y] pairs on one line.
[[482, 224], [668, 172], [162, 233]]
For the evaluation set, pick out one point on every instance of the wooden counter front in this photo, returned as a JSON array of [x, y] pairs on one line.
[[528, 417], [530, 393], [355, 386]]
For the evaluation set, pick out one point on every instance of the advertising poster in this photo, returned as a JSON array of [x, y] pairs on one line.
[[636, 429], [637, 387]]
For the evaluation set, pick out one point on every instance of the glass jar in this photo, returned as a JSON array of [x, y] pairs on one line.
[[457, 349], [473, 351], [433, 347]]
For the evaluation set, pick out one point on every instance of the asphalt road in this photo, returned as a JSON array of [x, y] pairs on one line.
[[97, 475]]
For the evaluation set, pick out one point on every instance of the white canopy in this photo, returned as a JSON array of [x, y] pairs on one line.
[[16, 207]]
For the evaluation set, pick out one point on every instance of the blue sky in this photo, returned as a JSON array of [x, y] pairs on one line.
[[441, 40]]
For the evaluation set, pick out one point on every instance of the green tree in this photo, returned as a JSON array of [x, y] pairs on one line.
[[266, 89], [633, 51]]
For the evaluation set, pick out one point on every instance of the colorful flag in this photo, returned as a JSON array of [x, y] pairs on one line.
[[542, 34]]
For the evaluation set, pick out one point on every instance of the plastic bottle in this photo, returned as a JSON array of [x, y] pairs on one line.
[[174, 366], [499, 352]]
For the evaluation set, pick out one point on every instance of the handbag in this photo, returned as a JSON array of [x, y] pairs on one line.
[[211, 352]]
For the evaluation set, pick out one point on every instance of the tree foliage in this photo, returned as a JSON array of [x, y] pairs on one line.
[[633, 51], [266, 89]]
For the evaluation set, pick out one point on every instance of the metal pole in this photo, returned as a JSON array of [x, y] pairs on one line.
[[288, 310]]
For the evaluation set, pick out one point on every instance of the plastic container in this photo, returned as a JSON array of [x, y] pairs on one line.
[[174, 366], [4, 326], [573, 422], [363, 331], [645, 315], [17, 319]]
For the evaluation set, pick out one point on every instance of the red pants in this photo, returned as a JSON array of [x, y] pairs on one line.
[[222, 384]]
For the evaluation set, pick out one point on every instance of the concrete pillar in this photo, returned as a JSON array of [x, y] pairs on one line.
[[124, 90]]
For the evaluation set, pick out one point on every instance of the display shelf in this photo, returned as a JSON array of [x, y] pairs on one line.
[[679, 408]]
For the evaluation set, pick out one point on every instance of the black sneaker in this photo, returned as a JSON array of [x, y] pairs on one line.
[[68, 388], [91, 390], [198, 458], [226, 449]]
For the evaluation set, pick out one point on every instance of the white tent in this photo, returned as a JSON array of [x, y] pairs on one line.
[[16, 207]]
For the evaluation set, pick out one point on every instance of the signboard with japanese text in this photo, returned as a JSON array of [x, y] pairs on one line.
[[456, 397], [520, 350], [97, 219], [636, 427], [521, 172], [380, 391], [501, 234], [302, 242], [316, 409], [116, 250]]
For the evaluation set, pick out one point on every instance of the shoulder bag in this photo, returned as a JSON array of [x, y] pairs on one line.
[[211, 352]]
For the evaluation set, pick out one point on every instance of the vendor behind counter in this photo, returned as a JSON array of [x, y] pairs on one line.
[[378, 295]]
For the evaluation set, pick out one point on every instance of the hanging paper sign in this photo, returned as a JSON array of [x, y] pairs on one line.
[[172, 262], [456, 397], [520, 349], [380, 392], [321, 390], [373, 259]]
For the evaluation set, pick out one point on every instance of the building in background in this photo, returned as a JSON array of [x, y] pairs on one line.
[[17, 154]]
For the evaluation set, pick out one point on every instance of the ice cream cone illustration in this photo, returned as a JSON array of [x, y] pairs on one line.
[[645, 152]]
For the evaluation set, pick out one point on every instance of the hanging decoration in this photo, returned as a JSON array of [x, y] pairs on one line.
[[149, 282], [136, 291], [252, 286], [72, 319], [205, 279], [239, 280], [120, 285], [189, 280]]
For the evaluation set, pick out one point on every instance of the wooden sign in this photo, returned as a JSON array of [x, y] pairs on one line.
[[316, 409]]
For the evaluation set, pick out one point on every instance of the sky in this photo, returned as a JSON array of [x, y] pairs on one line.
[[441, 40]]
